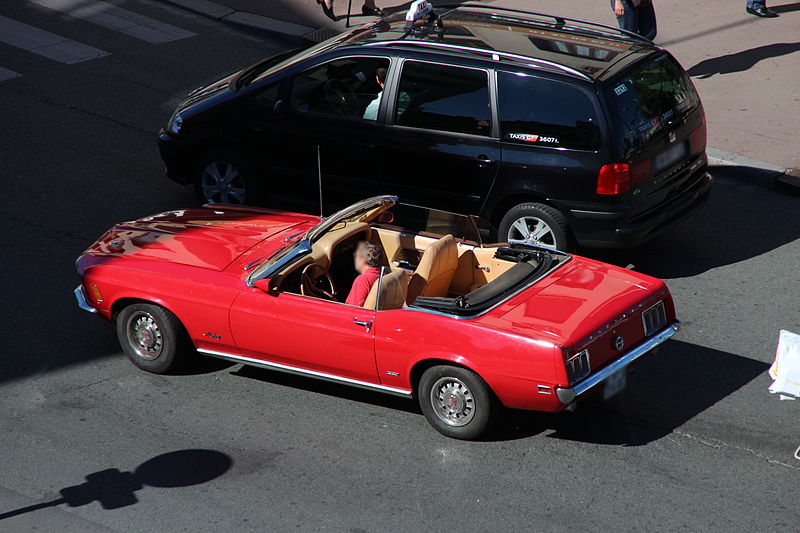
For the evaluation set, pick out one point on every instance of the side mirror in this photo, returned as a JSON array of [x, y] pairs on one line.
[[387, 217], [263, 284], [277, 110]]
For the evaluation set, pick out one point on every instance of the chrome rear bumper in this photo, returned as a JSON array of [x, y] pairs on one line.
[[567, 395], [83, 303]]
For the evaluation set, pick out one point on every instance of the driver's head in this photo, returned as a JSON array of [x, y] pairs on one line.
[[368, 254]]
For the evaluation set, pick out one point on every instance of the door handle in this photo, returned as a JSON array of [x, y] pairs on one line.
[[483, 159], [363, 323]]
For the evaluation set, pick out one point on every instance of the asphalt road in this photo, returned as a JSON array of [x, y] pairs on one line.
[[91, 444]]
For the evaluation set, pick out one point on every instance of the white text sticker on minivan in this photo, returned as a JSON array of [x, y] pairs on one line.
[[619, 89], [530, 138]]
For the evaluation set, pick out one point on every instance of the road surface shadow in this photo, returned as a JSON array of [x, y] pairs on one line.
[[114, 489], [741, 61], [664, 391], [328, 388], [786, 8], [746, 216]]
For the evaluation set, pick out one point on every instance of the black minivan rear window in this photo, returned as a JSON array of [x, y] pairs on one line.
[[647, 98], [543, 112]]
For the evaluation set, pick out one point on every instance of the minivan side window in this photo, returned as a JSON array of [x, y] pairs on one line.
[[344, 87], [444, 98], [543, 112]]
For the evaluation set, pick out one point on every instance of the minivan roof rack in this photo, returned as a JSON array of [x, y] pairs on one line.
[[492, 53], [561, 21]]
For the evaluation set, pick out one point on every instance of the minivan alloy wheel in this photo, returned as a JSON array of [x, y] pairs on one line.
[[221, 182], [532, 230]]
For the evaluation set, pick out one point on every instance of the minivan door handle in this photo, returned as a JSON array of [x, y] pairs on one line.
[[483, 159]]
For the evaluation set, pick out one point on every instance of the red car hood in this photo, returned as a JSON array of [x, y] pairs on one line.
[[575, 301], [207, 237]]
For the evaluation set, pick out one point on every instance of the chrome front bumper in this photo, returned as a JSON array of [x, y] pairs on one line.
[[568, 395], [83, 303]]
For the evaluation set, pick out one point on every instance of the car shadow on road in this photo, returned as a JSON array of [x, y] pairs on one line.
[[664, 391], [328, 388], [114, 489], [745, 217]]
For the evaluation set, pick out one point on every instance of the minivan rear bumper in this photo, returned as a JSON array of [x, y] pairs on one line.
[[617, 229]]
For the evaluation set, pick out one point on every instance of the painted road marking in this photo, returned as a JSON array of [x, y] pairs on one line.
[[46, 44], [6, 74], [118, 19]]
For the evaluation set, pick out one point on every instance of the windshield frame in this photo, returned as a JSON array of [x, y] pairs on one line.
[[287, 255]]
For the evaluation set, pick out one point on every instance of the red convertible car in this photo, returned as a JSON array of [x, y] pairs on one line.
[[464, 327]]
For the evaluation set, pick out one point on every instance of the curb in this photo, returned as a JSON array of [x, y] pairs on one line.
[[784, 177]]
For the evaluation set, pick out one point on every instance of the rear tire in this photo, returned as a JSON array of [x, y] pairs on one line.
[[537, 224], [152, 337], [456, 402], [224, 177]]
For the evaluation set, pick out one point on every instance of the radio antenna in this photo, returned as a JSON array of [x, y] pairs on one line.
[[319, 179]]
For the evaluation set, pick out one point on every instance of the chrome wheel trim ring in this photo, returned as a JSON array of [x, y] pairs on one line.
[[144, 335], [222, 183], [452, 401], [532, 230]]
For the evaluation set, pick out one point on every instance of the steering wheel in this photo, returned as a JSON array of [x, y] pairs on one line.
[[316, 282], [339, 96]]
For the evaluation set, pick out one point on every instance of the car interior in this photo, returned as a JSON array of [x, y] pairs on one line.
[[416, 266], [343, 87]]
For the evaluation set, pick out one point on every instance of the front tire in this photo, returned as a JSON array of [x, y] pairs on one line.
[[456, 402], [223, 177], [152, 337], [536, 224]]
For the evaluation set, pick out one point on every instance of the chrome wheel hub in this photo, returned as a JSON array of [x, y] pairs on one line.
[[452, 401], [222, 183], [532, 230], [145, 336]]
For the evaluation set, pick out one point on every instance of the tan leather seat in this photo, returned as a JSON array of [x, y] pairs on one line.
[[393, 288], [435, 272]]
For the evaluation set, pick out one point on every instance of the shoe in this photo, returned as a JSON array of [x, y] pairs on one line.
[[374, 11], [763, 12], [327, 10]]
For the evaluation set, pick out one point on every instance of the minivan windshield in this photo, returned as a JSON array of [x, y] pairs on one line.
[[647, 98]]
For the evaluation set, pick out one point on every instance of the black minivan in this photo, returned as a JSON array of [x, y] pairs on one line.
[[557, 131]]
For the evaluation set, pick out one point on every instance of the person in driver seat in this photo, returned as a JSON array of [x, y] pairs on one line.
[[367, 260], [371, 112]]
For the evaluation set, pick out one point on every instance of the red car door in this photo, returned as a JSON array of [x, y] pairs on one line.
[[303, 332]]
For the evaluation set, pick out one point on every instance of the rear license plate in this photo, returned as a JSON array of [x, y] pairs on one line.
[[670, 156], [615, 383]]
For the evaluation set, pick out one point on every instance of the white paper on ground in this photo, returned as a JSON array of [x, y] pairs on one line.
[[785, 371]]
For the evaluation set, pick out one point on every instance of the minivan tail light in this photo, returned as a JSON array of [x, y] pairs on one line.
[[614, 179], [699, 137]]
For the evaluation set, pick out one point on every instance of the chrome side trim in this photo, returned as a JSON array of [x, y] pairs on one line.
[[83, 303], [567, 395], [491, 53], [304, 372]]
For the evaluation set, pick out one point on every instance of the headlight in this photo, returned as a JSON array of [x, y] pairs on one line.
[[175, 123]]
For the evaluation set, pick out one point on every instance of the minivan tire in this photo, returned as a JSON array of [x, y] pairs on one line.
[[552, 227], [224, 177]]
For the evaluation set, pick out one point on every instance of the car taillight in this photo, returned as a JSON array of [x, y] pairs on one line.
[[699, 137], [614, 179]]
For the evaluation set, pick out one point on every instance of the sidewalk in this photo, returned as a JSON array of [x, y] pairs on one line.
[[746, 69]]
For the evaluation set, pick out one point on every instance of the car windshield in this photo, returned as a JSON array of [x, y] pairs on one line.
[[647, 98], [286, 60]]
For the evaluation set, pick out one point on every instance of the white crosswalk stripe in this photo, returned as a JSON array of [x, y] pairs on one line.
[[6, 74], [44, 43], [118, 19]]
